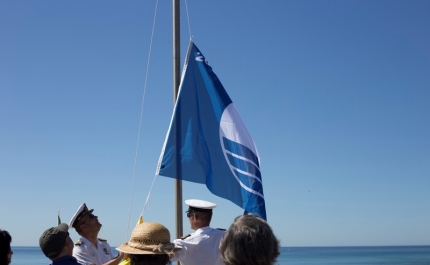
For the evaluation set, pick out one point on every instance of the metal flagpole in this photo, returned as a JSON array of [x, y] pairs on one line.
[[176, 82]]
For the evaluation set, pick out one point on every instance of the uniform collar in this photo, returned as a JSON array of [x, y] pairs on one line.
[[87, 242], [203, 229]]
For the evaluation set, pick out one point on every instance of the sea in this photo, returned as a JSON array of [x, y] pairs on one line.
[[393, 255]]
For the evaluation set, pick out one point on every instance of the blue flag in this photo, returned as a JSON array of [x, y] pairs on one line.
[[207, 141]]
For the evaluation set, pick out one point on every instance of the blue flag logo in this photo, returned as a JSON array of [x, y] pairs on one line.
[[208, 142]]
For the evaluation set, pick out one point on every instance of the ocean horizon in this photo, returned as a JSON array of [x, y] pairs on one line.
[[346, 255]]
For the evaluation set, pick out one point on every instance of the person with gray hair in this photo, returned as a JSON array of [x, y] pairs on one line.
[[249, 241]]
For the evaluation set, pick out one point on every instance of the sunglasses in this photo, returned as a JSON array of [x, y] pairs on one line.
[[89, 217], [189, 214]]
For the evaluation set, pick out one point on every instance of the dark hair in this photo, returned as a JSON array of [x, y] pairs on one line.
[[205, 216], [5, 240], [249, 241], [149, 259]]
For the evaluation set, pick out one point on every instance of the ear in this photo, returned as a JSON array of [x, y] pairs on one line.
[[69, 243], [82, 227]]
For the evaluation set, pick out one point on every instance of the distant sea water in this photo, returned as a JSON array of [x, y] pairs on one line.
[[404, 255], [401, 255]]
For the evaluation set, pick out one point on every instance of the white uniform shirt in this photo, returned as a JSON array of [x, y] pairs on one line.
[[86, 253], [201, 247]]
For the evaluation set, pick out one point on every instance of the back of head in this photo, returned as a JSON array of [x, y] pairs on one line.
[[249, 241], [202, 209], [5, 240], [149, 238], [155, 259], [53, 240], [149, 245]]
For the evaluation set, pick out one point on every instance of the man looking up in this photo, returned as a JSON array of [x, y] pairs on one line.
[[57, 245], [202, 246], [91, 250]]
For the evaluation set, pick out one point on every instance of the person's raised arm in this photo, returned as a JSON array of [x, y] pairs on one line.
[[116, 260]]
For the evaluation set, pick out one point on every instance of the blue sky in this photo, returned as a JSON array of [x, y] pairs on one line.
[[335, 94]]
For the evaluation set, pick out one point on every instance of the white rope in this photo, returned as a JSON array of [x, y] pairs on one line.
[[141, 115], [188, 19], [148, 198]]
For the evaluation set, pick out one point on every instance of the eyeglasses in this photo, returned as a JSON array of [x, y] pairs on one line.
[[189, 214]]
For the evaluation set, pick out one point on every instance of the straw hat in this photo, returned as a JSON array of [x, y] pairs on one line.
[[149, 238]]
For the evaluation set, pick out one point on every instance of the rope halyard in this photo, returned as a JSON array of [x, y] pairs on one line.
[[188, 18], [147, 202], [140, 119]]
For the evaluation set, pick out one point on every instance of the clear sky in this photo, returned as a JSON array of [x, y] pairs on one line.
[[336, 95]]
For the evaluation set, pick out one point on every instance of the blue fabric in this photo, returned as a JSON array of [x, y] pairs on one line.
[[203, 142], [66, 260]]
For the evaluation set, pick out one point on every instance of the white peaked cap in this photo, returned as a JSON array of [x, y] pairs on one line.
[[82, 210], [200, 204]]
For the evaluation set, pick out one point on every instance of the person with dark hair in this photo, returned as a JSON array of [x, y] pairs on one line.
[[91, 250], [249, 241], [202, 246], [5, 250], [57, 245], [149, 245]]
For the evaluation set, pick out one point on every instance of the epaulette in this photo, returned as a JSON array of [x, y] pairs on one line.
[[102, 239], [222, 229], [78, 243], [183, 237]]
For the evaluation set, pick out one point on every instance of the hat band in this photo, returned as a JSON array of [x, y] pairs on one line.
[[160, 248], [194, 209]]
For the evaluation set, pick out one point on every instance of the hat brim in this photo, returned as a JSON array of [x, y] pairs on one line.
[[126, 248], [82, 210], [200, 204], [88, 212]]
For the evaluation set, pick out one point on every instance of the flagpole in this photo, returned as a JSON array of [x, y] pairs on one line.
[[176, 82]]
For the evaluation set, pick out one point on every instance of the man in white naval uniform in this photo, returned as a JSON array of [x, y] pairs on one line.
[[202, 246], [90, 250]]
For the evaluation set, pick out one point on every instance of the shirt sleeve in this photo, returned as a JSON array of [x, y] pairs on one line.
[[181, 254]]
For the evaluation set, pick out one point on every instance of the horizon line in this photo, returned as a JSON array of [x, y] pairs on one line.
[[351, 246]]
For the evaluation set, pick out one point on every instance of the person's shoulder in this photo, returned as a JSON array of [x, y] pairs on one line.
[[69, 260], [104, 242], [185, 236], [218, 230], [79, 243]]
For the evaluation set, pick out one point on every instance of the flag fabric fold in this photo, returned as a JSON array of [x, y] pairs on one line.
[[207, 141]]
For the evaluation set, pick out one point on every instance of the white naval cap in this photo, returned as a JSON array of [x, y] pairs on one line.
[[200, 205], [82, 210]]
